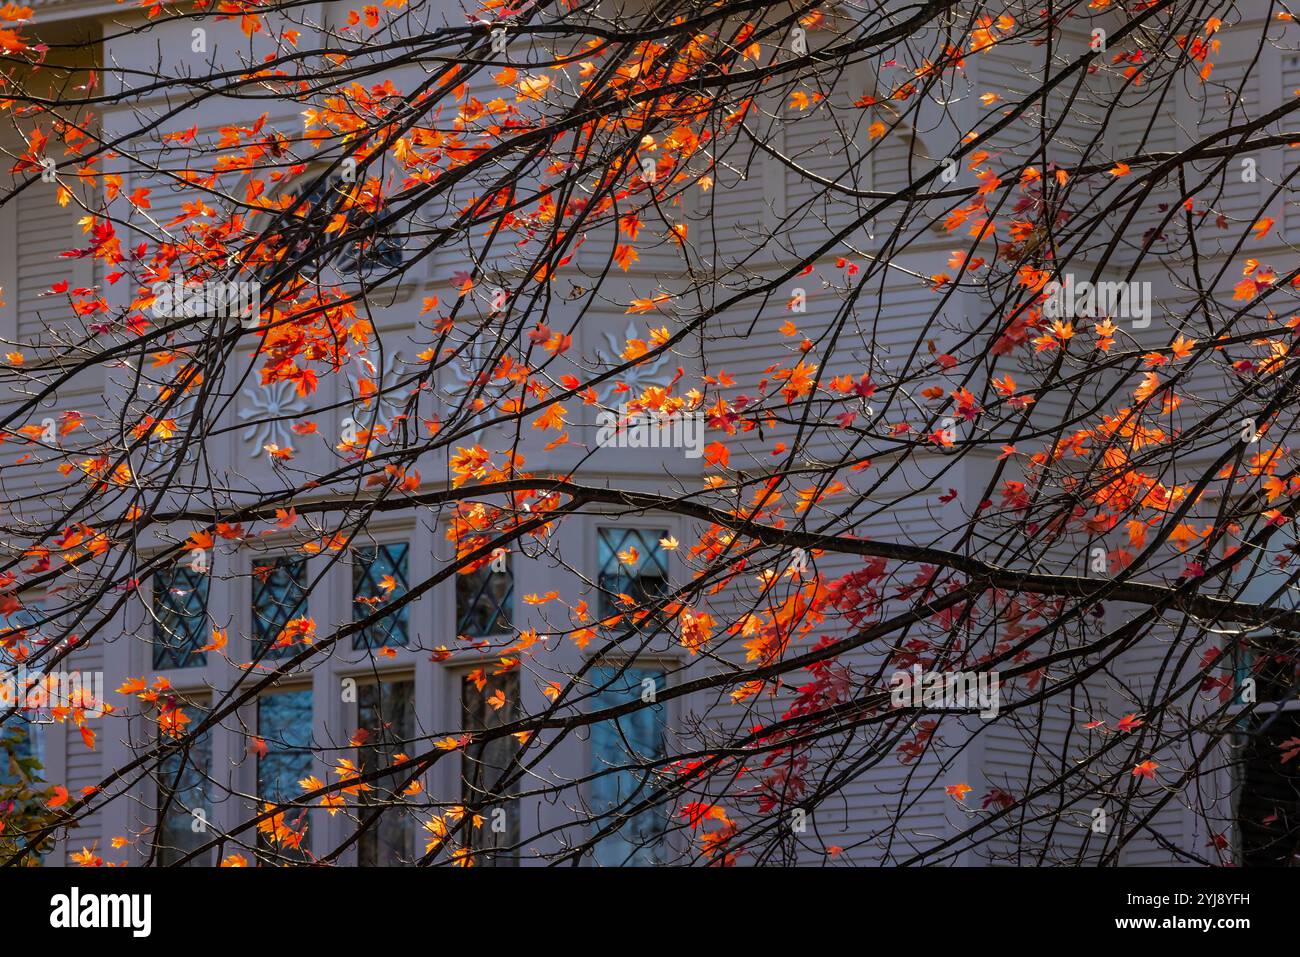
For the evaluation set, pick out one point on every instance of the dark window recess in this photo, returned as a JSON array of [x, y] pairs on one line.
[[1274, 663], [386, 717], [1268, 806], [284, 725], [483, 765], [624, 752]]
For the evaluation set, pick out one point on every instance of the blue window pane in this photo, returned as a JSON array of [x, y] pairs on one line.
[[21, 775], [279, 596], [284, 725], [643, 580], [180, 602], [183, 775], [1273, 662], [625, 742], [27, 741], [22, 633], [370, 567]]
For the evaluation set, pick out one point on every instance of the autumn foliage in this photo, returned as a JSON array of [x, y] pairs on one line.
[[833, 232]]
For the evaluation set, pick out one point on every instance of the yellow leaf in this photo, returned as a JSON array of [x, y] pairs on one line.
[[533, 88]]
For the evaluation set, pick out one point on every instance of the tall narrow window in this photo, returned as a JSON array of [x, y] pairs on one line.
[[1268, 809], [621, 751], [1268, 806], [484, 598], [386, 719], [631, 563], [22, 756], [378, 579], [284, 725], [23, 633], [279, 596], [184, 802], [1267, 740], [486, 705], [180, 604], [22, 734]]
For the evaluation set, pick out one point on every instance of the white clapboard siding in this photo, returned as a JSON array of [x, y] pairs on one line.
[[1137, 129], [83, 767], [881, 328], [44, 231], [40, 326], [864, 817], [730, 215], [1291, 153], [825, 142], [1228, 101], [1012, 77]]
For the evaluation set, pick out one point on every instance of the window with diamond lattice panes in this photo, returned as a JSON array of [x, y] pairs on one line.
[[484, 598], [363, 249], [180, 603], [279, 597], [632, 563], [379, 577]]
